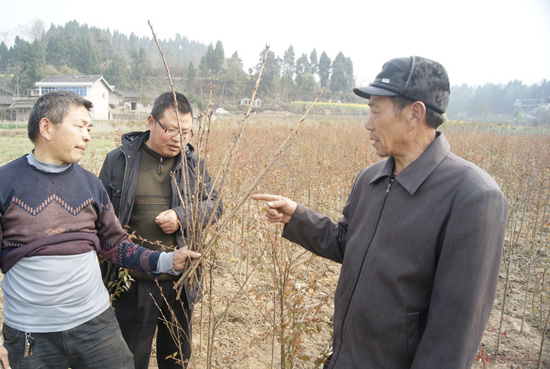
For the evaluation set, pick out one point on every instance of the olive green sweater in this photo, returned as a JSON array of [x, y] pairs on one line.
[[153, 194]]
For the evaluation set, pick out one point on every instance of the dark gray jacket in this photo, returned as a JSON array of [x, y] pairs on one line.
[[120, 172], [420, 259]]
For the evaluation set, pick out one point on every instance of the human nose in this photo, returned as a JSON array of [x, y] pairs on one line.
[[369, 124], [86, 135]]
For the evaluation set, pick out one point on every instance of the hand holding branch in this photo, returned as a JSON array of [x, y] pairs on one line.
[[180, 257], [278, 209]]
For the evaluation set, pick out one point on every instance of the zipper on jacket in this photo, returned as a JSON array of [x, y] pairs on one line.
[[160, 166], [122, 192], [392, 180]]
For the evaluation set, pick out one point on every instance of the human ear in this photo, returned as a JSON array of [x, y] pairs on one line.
[[150, 122], [418, 112], [45, 128]]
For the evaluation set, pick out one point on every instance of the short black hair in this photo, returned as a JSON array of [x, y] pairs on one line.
[[55, 106], [166, 100]]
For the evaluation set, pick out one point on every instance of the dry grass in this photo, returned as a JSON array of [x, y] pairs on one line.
[[271, 302]]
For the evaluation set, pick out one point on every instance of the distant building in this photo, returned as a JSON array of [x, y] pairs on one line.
[[256, 103], [92, 87], [528, 104], [20, 108]]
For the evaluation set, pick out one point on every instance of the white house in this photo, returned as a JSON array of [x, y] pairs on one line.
[[92, 87], [255, 103]]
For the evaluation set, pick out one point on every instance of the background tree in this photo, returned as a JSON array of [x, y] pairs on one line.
[[234, 77], [191, 74], [341, 79], [4, 53], [288, 71], [302, 68], [85, 56], [271, 78], [141, 68], [118, 73], [324, 69], [203, 66], [32, 61], [314, 62], [56, 51], [288, 66], [219, 58], [212, 62]]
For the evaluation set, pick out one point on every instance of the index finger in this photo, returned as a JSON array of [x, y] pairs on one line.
[[265, 197]]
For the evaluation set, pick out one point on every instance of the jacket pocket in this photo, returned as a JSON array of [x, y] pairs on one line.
[[413, 335], [115, 190]]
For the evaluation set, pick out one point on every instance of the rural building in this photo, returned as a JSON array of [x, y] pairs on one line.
[[20, 108], [92, 87], [256, 103]]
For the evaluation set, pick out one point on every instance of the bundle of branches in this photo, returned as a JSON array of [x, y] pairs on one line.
[[200, 231]]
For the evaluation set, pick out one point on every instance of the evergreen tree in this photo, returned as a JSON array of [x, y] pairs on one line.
[[340, 80], [305, 79], [4, 53], [234, 77], [302, 68], [218, 58], [85, 56], [314, 62], [271, 78], [141, 67], [324, 69], [190, 73], [338, 76], [288, 66], [118, 73], [56, 51], [310, 87], [32, 65], [207, 62]]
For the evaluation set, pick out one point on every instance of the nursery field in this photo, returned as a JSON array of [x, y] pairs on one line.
[[267, 303]]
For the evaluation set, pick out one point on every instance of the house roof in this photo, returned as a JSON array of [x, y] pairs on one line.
[[6, 100], [22, 105], [71, 81]]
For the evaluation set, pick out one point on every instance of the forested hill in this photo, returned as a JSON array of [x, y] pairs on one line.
[[80, 49], [129, 62]]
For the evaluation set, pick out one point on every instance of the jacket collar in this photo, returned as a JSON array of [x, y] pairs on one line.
[[412, 177]]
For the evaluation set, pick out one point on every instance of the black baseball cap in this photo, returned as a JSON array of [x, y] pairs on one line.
[[413, 77]]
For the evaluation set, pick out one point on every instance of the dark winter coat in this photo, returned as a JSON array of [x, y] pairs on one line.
[[119, 175], [420, 258]]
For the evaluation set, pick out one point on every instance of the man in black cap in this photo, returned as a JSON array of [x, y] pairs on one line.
[[420, 240]]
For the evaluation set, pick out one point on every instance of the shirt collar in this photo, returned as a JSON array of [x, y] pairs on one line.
[[46, 167], [412, 177]]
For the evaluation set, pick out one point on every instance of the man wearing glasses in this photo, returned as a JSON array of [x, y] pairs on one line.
[[137, 177]]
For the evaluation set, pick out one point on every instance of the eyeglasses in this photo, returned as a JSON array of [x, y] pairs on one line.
[[173, 132]]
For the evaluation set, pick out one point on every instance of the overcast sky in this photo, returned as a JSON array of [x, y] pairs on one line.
[[478, 41]]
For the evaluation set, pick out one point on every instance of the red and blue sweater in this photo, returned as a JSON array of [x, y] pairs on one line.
[[65, 213]]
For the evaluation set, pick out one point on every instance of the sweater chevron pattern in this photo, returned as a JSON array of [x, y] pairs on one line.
[[65, 213]]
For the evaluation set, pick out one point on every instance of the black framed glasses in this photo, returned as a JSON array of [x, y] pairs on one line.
[[173, 132]]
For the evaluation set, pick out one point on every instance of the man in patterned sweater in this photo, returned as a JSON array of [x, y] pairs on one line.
[[54, 218]]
